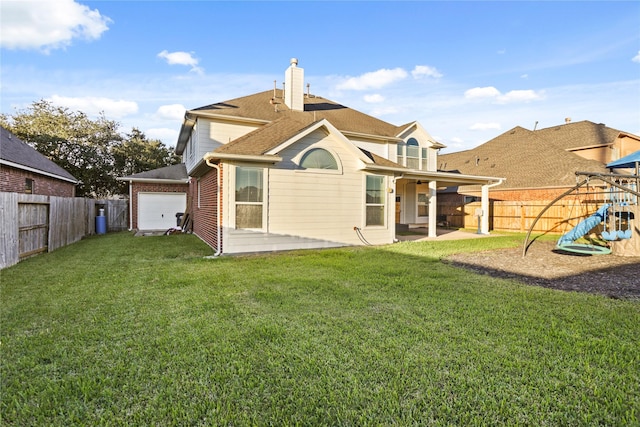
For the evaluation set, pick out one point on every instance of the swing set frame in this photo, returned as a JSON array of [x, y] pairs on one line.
[[610, 180]]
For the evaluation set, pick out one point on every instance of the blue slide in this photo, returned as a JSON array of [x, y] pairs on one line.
[[584, 226]]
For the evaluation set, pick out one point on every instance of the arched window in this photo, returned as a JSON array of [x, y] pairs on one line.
[[412, 142], [318, 158]]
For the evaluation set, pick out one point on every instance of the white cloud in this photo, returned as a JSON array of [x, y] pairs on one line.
[[491, 92], [48, 25], [636, 58], [520, 96], [502, 51], [425, 71], [485, 126], [482, 92], [171, 112], [374, 98], [181, 58], [373, 80], [92, 106], [524, 76]]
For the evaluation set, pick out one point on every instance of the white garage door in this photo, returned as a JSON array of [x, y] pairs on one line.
[[157, 211]]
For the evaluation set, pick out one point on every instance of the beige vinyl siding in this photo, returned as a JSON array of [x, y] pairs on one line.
[[210, 135], [314, 208], [223, 132], [382, 149]]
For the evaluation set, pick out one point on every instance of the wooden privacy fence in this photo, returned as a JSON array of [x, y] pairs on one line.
[[519, 215], [33, 224]]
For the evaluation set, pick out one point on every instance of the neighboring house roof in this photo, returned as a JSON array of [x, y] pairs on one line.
[[527, 159], [571, 136], [18, 154], [264, 107], [168, 174]]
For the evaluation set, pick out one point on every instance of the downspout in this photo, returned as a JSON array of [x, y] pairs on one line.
[[130, 205], [219, 234]]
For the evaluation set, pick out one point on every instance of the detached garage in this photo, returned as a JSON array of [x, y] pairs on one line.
[[156, 196]]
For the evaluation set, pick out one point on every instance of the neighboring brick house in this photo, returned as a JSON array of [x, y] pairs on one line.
[[156, 196], [25, 170], [538, 165]]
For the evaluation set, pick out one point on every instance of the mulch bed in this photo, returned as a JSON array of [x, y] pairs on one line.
[[610, 275]]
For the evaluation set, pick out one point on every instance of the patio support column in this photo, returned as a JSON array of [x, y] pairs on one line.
[[484, 204], [433, 209]]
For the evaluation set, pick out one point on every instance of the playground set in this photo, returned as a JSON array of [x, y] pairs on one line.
[[614, 223]]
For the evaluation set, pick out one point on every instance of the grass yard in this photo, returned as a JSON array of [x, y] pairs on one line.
[[119, 330]]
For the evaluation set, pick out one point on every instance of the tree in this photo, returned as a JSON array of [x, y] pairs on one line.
[[135, 153], [91, 150]]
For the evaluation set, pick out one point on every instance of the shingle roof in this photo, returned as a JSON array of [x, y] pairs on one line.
[[526, 158], [269, 136], [579, 134], [173, 173], [16, 151], [264, 106]]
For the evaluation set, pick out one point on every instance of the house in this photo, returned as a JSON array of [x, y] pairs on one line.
[[284, 169], [156, 196], [24, 170], [538, 165]]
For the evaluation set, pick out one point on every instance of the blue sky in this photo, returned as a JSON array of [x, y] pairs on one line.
[[467, 71]]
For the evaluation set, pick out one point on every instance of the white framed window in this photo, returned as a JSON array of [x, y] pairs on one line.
[[423, 204], [412, 155], [318, 158], [249, 198], [375, 200]]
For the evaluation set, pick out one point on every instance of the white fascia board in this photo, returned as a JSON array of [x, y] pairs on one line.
[[265, 158], [454, 177], [195, 114], [370, 136], [155, 180], [38, 171], [374, 167]]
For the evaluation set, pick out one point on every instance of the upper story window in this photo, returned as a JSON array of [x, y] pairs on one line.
[[318, 158], [411, 155]]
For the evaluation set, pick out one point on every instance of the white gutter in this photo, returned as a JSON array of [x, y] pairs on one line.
[[242, 157], [219, 233], [155, 180]]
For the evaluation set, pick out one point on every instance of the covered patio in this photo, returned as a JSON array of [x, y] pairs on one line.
[[416, 198]]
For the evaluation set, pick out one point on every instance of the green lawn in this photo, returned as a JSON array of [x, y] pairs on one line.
[[119, 330]]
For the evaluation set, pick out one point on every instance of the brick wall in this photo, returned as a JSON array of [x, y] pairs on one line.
[[12, 180], [144, 187], [203, 195]]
